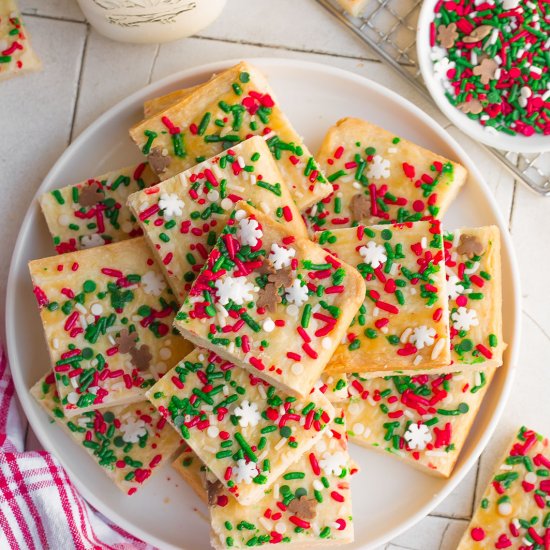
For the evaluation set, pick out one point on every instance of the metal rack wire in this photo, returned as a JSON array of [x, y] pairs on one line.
[[388, 27]]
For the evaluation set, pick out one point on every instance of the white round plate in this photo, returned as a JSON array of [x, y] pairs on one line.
[[388, 496], [518, 143]]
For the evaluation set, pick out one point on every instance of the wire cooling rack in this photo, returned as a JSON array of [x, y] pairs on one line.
[[389, 28]]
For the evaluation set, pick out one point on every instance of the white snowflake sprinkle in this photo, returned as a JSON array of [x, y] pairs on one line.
[[454, 287], [245, 471], [133, 429], [248, 413], [442, 67], [153, 283], [280, 256], [418, 436], [333, 463], [89, 241], [297, 293], [379, 168], [423, 336], [237, 289], [171, 205], [464, 318], [373, 254], [249, 232]]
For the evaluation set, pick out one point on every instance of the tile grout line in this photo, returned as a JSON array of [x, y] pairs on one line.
[[53, 18], [79, 82], [153, 64], [285, 48], [474, 500], [227, 40], [445, 516]]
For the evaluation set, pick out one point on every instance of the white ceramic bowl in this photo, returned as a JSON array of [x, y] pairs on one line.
[[150, 21], [499, 140]]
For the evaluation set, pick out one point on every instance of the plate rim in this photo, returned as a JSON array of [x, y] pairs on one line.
[[265, 63]]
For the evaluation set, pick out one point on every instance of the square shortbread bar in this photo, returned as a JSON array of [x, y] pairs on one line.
[[402, 325], [245, 431], [129, 442], [183, 216], [379, 177], [270, 302], [107, 314], [94, 212], [234, 105]]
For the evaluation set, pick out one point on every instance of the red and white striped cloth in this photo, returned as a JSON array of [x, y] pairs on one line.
[[39, 506]]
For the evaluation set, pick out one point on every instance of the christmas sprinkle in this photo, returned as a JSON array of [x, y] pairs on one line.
[[402, 324], [94, 212], [129, 442], [492, 59], [515, 509], [107, 315], [241, 105], [16, 55], [380, 178], [309, 505], [272, 303], [472, 258], [244, 430], [184, 215], [423, 419]]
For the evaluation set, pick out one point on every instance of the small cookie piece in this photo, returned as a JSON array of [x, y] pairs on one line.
[[379, 178], [312, 298], [402, 326], [234, 105], [183, 216], [16, 54], [472, 258], [309, 506], [190, 467], [159, 104], [92, 304], [423, 419], [244, 430], [94, 212], [515, 509], [353, 7], [129, 443]]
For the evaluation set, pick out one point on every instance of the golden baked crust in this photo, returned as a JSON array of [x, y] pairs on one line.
[[231, 107]]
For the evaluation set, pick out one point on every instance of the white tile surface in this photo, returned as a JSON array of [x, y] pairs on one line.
[[62, 9], [287, 24], [39, 128], [36, 126]]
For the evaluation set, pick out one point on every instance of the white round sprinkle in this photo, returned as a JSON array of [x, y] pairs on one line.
[[531, 477], [127, 227], [240, 214], [504, 508], [64, 220], [358, 428], [96, 309], [354, 408], [292, 310], [297, 368], [213, 431], [213, 195], [165, 353], [280, 527], [226, 204], [72, 398], [317, 485], [268, 325]]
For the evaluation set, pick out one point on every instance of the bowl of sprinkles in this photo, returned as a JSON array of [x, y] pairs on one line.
[[486, 64]]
